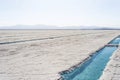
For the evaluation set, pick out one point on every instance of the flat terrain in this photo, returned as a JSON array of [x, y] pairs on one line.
[[42, 54]]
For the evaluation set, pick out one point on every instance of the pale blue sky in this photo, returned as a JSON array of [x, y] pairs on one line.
[[60, 12]]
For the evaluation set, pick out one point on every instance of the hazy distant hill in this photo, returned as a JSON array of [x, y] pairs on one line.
[[56, 27], [28, 27]]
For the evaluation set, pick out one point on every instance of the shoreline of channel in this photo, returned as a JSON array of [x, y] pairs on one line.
[[86, 59], [110, 72]]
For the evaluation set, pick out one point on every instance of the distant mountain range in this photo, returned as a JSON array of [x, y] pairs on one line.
[[58, 27]]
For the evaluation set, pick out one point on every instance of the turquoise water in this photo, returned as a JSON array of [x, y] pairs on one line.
[[115, 41], [92, 68]]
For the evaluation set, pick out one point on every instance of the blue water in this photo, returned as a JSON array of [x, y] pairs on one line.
[[115, 41], [92, 68]]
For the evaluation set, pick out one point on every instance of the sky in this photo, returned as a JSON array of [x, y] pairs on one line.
[[60, 12]]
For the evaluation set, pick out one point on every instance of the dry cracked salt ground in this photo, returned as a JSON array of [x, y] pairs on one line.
[[44, 59]]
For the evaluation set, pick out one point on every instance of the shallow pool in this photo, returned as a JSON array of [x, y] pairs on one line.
[[115, 41], [91, 69]]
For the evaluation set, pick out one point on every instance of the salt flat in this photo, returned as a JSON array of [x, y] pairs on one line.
[[42, 54]]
